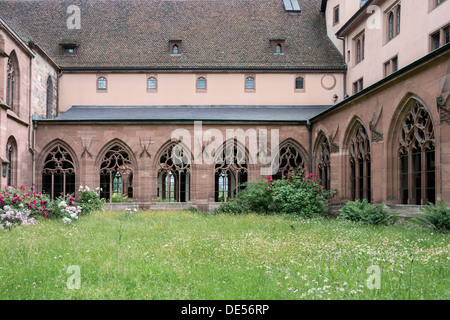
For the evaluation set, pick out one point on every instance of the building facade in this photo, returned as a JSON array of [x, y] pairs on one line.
[[146, 99]]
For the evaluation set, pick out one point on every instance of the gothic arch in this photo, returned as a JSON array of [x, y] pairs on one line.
[[12, 157], [12, 98], [412, 152], [116, 165], [358, 161], [231, 168], [174, 166], [57, 169], [322, 159], [291, 155]]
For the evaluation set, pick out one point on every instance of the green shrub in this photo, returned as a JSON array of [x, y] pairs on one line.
[[233, 206], [297, 193], [90, 200], [364, 212], [256, 197], [300, 194], [436, 216]]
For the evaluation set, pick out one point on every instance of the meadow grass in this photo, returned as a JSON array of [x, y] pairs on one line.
[[184, 255]]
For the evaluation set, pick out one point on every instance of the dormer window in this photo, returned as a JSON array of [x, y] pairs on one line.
[[69, 47], [277, 46], [175, 47]]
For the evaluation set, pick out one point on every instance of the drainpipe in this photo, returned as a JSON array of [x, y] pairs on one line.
[[308, 123], [345, 64], [30, 125]]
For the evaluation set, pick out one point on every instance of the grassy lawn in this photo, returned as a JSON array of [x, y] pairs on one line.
[[184, 255]]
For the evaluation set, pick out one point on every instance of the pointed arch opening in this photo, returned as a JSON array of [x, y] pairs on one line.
[[290, 158], [116, 175], [360, 163], [323, 161], [230, 171], [416, 155], [58, 173], [174, 174], [12, 83], [11, 154]]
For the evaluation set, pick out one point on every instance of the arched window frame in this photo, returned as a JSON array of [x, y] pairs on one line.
[[201, 83], [290, 157], [324, 163], [299, 83], [152, 83], [116, 160], [11, 154], [360, 164], [278, 48], [230, 172], [12, 83], [250, 83], [417, 156], [58, 173], [102, 84], [174, 174]]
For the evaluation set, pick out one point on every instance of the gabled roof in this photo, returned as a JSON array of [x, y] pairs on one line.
[[16, 38], [219, 34]]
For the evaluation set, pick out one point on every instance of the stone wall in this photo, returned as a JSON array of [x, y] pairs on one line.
[[42, 70]]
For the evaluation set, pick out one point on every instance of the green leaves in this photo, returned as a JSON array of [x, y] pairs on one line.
[[435, 216], [297, 193], [364, 212]]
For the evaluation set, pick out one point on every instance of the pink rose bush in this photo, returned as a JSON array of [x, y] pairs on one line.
[[23, 207]]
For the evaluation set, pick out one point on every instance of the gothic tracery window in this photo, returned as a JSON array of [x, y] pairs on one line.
[[231, 172], [417, 157], [116, 175], [10, 84], [11, 153], [360, 165], [290, 158], [324, 164], [58, 175], [174, 174]]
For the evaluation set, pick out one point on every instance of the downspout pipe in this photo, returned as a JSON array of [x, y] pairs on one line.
[[345, 64], [308, 123]]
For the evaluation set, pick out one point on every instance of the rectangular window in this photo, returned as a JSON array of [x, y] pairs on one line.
[[391, 66], [435, 40], [358, 86], [387, 68], [447, 35], [393, 21], [336, 15], [394, 64], [359, 43]]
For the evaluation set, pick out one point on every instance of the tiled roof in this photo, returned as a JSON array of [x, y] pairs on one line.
[[190, 113], [215, 34]]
